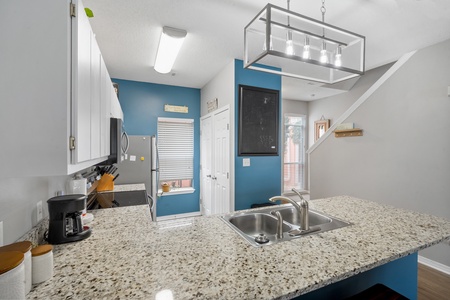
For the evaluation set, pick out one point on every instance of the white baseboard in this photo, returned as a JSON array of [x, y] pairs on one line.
[[434, 264], [179, 216]]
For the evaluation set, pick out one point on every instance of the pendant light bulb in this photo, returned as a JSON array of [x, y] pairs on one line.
[[323, 53], [306, 49], [337, 58], [289, 44]]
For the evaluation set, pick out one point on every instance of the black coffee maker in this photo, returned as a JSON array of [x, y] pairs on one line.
[[65, 219]]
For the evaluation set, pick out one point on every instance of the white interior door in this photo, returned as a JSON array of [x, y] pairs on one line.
[[221, 162], [206, 153]]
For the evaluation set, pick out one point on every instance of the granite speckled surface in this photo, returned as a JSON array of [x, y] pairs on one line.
[[128, 256], [36, 234]]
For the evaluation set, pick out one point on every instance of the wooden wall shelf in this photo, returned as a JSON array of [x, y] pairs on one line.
[[348, 132]]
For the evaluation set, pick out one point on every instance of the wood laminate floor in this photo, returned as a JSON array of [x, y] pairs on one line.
[[433, 285]]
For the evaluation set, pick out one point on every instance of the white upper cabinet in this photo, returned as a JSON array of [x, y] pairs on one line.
[[116, 109], [105, 106], [55, 90], [96, 107], [82, 84]]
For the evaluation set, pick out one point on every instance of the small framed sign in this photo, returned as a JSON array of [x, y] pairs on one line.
[[320, 127], [176, 108]]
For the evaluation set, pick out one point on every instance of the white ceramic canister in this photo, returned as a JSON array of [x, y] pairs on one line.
[[12, 275], [42, 262], [25, 248]]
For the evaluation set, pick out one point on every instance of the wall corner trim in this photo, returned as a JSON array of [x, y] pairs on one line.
[[398, 64]]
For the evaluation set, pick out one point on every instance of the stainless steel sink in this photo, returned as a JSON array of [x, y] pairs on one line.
[[290, 215], [259, 227], [257, 223]]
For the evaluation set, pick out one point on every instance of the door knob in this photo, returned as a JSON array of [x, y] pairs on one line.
[[208, 176]]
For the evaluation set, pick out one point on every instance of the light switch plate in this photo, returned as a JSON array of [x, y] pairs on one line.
[[1, 233], [246, 162]]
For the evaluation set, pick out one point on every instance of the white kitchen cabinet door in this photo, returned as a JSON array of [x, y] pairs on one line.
[[105, 96], [45, 77], [81, 86], [96, 113]]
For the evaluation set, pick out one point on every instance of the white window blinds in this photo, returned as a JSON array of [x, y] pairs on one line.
[[176, 148]]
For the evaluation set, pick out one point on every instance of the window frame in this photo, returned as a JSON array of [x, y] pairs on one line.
[[176, 190], [301, 147]]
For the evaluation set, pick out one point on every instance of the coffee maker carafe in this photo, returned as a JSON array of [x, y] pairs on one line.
[[65, 219]]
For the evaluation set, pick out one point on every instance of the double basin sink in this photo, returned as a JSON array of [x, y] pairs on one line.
[[259, 227]]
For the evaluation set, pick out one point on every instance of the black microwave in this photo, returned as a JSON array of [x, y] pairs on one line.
[[118, 142]]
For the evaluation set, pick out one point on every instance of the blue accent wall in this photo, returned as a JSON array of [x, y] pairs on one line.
[[142, 103], [262, 180]]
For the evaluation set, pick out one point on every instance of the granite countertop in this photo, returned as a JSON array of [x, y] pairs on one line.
[[127, 256]]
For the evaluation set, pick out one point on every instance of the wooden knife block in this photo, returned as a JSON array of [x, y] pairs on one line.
[[105, 183]]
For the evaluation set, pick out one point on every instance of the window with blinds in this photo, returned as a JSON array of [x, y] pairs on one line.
[[176, 151]]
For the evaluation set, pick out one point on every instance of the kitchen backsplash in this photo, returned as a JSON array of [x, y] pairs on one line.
[[36, 234]]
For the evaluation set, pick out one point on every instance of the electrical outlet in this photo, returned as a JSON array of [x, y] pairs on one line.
[[38, 211], [1, 233]]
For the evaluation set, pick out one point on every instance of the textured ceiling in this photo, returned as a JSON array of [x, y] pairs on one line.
[[128, 34]]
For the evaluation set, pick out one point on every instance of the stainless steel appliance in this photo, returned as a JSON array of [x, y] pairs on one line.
[[140, 165], [65, 219]]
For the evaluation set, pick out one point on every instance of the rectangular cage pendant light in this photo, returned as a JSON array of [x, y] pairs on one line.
[[282, 42]]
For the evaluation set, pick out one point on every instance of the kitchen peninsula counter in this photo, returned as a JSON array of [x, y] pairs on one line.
[[128, 256]]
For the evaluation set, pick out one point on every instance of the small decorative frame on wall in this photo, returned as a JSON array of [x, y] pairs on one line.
[[320, 127]]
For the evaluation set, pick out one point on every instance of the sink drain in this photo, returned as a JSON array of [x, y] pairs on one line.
[[261, 238]]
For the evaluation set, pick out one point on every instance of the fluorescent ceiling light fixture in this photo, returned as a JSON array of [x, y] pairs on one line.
[[326, 53], [169, 46]]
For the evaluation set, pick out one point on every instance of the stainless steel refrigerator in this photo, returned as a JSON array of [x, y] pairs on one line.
[[140, 165]]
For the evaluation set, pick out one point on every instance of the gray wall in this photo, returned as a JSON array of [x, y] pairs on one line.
[[18, 200], [403, 157], [333, 107]]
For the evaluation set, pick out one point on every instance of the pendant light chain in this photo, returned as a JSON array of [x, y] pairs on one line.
[[288, 8], [323, 10]]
